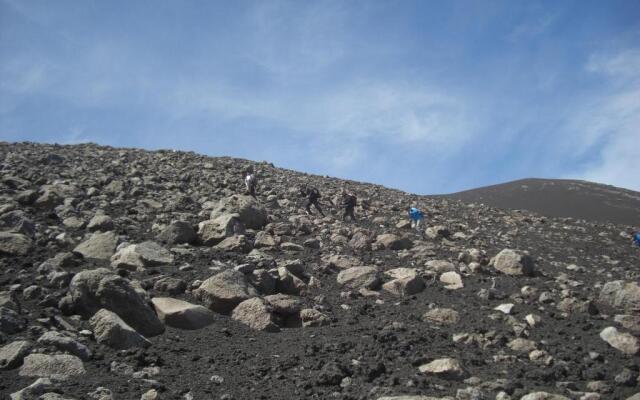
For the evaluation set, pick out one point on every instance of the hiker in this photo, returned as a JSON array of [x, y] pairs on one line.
[[313, 195], [636, 238], [250, 182], [416, 217], [349, 201]]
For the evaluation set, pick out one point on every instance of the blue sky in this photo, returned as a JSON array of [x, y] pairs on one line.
[[424, 96]]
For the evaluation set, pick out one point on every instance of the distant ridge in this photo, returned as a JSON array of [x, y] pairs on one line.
[[560, 198]]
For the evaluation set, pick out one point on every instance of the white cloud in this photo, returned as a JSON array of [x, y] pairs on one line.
[[396, 113], [613, 119]]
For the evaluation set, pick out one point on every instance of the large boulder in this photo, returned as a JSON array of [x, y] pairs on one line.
[[141, 256], [237, 244], [181, 314], [12, 354], [14, 244], [112, 331], [178, 232], [360, 277], [65, 343], [513, 262], [249, 211], [60, 366], [284, 304], [101, 288], [393, 242], [626, 343], [621, 295], [215, 230], [224, 291], [100, 246], [407, 282], [256, 314]]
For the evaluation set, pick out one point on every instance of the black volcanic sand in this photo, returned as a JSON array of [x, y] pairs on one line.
[[561, 198], [372, 347]]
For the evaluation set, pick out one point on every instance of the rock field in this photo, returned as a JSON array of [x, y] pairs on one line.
[[130, 274]]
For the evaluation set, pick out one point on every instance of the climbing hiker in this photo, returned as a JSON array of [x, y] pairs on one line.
[[416, 216], [250, 182], [636, 238], [349, 202], [313, 195]]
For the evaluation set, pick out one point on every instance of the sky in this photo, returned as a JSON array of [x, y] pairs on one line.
[[424, 96]]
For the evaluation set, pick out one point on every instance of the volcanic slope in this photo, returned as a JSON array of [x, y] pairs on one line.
[[560, 198], [129, 274]]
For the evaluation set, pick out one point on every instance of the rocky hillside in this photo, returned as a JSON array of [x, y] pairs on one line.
[[129, 274], [561, 198]]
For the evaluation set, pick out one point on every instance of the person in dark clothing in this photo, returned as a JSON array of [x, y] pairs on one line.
[[349, 202], [313, 195]]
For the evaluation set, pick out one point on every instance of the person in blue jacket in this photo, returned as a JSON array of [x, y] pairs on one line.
[[416, 217], [636, 238]]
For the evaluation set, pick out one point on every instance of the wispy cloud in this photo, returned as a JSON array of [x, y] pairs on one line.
[[612, 120]]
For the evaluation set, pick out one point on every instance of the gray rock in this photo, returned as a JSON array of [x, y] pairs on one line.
[[37, 388], [447, 368], [440, 266], [101, 223], [452, 280], [12, 354], [14, 244], [224, 291], [256, 314], [65, 343], [112, 331], [249, 211], [178, 232], [521, 345], [18, 222], [312, 318], [341, 261], [630, 322], [101, 288], [442, 316], [99, 246], [263, 281], [393, 242], [181, 314], [236, 243], [626, 343], [621, 295], [215, 230], [283, 304], [170, 285], [141, 256], [61, 366], [513, 262], [405, 286], [289, 283], [438, 231], [413, 398], [543, 396], [10, 321], [360, 277]]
